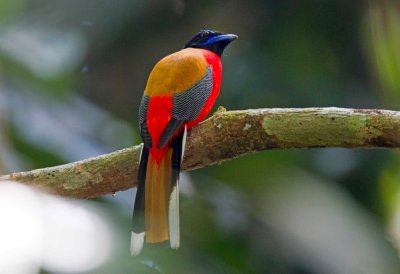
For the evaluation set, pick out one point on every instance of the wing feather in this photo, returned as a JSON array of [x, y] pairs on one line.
[[186, 106]]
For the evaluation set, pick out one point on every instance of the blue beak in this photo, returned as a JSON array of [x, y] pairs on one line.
[[223, 37]]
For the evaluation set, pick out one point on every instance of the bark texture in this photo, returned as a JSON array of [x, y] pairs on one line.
[[225, 136]]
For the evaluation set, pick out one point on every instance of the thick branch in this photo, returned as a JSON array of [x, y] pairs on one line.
[[227, 135]]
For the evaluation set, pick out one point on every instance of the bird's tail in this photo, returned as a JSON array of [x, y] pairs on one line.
[[158, 189], [138, 221], [156, 211]]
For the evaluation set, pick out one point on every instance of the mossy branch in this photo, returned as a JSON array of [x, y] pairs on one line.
[[224, 136]]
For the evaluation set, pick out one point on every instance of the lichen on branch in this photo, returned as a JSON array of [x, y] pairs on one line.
[[225, 136]]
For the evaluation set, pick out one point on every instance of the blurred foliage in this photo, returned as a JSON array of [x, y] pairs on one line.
[[72, 75], [384, 24]]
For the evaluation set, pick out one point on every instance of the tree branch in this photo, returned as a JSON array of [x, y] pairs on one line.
[[224, 136]]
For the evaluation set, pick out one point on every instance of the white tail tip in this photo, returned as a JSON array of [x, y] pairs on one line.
[[174, 237], [137, 240]]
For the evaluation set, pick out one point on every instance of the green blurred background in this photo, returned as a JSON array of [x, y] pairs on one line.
[[72, 76]]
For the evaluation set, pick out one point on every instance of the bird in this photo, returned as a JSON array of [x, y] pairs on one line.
[[180, 92]]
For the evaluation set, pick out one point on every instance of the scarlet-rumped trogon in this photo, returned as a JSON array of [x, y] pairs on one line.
[[180, 92]]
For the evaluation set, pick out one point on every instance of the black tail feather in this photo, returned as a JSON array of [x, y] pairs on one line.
[[138, 221], [176, 144]]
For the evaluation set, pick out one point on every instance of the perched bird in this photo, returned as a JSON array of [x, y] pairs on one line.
[[180, 92]]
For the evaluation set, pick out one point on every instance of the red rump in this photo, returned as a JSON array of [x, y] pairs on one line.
[[158, 116]]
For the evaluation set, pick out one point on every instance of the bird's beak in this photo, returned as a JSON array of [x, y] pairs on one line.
[[227, 37], [223, 37]]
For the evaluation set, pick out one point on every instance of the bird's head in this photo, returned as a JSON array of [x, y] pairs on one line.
[[211, 40]]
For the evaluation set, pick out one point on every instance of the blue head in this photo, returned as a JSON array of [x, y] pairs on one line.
[[211, 40]]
